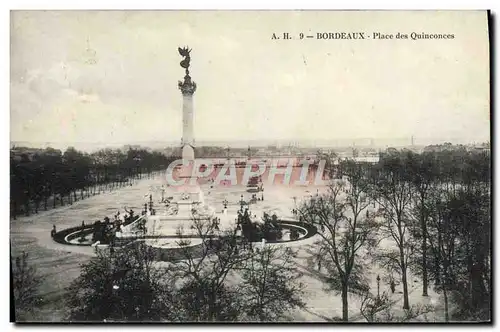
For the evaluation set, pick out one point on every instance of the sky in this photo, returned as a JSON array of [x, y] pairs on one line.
[[111, 76]]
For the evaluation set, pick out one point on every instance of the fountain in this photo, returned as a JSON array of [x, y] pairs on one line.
[[169, 228]]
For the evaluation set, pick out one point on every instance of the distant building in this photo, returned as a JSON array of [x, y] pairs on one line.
[[372, 159], [484, 149]]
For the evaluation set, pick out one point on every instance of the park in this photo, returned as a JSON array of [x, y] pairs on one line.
[[191, 232], [60, 240]]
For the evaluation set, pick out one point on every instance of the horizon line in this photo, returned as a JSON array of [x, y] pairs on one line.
[[404, 141]]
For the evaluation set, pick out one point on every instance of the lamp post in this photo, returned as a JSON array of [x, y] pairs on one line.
[[137, 160], [378, 287], [294, 205]]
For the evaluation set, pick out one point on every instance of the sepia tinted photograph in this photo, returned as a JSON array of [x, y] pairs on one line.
[[291, 166]]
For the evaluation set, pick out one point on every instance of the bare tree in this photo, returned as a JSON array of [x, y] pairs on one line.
[[123, 285], [371, 305], [443, 249], [205, 271], [270, 286], [392, 191], [330, 159], [343, 228], [422, 175], [25, 283], [459, 256], [379, 309]]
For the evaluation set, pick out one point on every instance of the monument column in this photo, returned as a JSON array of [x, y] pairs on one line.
[[187, 88], [190, 190]]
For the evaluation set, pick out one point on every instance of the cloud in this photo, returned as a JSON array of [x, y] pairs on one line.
[[249, 86]]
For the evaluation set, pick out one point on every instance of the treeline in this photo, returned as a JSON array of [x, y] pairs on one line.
[[432, 209], [49, 178], [426, 214], [448, 221]]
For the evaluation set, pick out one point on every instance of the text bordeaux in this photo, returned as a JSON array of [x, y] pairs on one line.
[[340, 35]]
